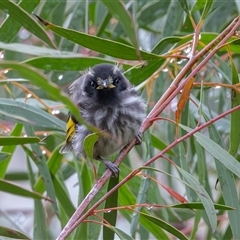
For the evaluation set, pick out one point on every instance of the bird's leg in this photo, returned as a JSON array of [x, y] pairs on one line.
[[139, 138], [111, 166]]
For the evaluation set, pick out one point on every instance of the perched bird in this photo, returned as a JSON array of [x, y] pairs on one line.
[[108, 101]]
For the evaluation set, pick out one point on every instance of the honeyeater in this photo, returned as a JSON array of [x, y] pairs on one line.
[[107, 101]]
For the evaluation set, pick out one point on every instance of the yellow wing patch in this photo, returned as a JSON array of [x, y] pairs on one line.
[[70, 128], [70, 131]]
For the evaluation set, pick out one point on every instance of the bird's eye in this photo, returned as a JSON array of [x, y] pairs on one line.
[[116, 81], [93, 85]]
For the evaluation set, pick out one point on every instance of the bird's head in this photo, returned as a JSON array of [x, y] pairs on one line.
[[104, 83]]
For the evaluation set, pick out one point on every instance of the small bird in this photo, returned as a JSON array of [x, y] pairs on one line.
[[107, 101]]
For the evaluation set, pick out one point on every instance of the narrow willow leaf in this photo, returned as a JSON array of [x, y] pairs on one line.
[[228, 185], [235, 116], [223, 161], [206, 5], [65, 63], [63, 197], [118, 9], [11, 233], [17, 130], [40, 161], [13, 140], [53, 164], [111, 217], [11, 188], [121, 234], [199, 205], [40, 226], [164, 225], [218, 152], [174, 16], [164, 43], [35, 50], [102, 25], [34, 116], [98, 44], [14, 118], [203, 195], [140, 74], [159, 144], [184, 5]]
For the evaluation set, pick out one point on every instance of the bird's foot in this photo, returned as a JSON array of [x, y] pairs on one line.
[[111, 166]]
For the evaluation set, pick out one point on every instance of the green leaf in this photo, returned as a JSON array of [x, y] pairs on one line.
[[4, 155], [11, 233], [44, 102], [101, 45], [199, 205], [63, 197], [219, 153], [11, 188], [203, 195], [40, 226], [102, 25], [26, 21], [40, 161], [13, 140], [10, 27], [118, 9], [140, 74], [35, 50], [126, 198], [151, 11], [121, 234], [207, 8], [174, 19], [157, 143], [228, 185], [164, 225], [65, 63], [234, 140], [53, 165], [17, 130], [35, 116], [111, 217], [13, 118], [184, 5], [88, 144]]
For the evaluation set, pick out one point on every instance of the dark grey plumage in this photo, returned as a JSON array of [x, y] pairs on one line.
[[107, 100]]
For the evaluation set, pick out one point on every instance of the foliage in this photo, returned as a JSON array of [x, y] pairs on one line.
[[182, 56]]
